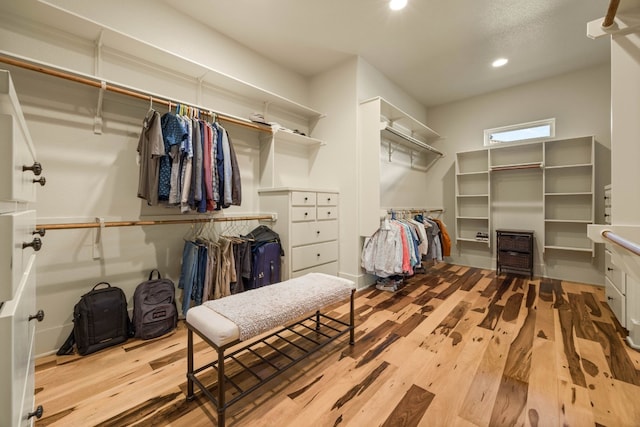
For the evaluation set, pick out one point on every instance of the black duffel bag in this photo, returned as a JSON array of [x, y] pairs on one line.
[[100, 320]]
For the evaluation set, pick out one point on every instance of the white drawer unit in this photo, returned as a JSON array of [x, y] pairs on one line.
[[303, 213], [16, 245], [308, 228], [20, 175], [615, 281], [303, 257], [17, 327], [616, 301]]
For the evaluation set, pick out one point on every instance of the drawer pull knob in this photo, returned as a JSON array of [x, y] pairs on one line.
[[318, 255], [306, 213], [40, 231], [36, 168], [306, 198], [318, 232], [42, 181], [609, 298], [39, 316], [36, 244], [609, 269], [606, 215], [37, 413]]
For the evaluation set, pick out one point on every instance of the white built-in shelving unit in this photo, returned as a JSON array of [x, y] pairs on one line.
[[564, 167], [385, 128], [568, 194], [473, 213]]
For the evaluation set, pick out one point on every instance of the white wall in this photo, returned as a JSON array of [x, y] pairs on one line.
[[579, 101], [334, 165], [161, 25]]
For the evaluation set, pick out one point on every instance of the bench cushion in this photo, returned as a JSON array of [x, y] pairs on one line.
[[247, 314]]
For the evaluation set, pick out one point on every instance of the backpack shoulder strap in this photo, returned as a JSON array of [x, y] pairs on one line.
[[67, 347]]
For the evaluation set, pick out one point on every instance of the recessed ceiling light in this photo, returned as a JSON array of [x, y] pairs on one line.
[[397, 4], [499, 62]]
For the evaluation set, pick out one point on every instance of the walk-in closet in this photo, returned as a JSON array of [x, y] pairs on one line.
[[463, 236]]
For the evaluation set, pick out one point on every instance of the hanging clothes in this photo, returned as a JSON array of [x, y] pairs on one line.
[[445, 240], [187, 162], [150, 151]]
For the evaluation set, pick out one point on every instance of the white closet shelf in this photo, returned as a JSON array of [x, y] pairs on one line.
[[577, 193], [474, 217], [570, 248], [472, 195], [298, 139], [467, 239], [570, 221], [473, 173], [579, 165], [110, 41]]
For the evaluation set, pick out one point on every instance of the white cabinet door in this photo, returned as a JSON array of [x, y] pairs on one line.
[[16, 352]]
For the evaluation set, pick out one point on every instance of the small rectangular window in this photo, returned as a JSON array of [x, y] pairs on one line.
[[524, 132]]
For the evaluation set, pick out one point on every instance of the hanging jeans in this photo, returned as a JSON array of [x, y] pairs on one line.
[[188, 274]]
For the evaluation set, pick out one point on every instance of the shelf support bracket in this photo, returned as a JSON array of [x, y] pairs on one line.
[[97, 61], [97, 120]]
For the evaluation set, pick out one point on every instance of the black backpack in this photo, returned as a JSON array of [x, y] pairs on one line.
[[100, 320], [154, 307]]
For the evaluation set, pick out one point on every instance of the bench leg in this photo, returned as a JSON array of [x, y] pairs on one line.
[[190, 395], [221, 389], [352, 322], [318, 320]]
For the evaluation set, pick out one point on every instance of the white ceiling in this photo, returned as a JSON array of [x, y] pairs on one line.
[[436, 50]]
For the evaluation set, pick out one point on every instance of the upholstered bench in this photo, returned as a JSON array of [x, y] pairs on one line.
[[227, 322]]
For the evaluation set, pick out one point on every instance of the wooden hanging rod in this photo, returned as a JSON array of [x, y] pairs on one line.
[[513, 167], [412, 211], [75, 225], [111, 87], [611, 13]]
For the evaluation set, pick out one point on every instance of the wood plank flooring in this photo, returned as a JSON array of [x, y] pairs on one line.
[[457, 346]]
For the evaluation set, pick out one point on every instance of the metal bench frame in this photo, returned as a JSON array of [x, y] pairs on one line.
[[325, 330]]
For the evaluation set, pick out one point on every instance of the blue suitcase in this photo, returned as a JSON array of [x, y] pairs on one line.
[[265, 265]]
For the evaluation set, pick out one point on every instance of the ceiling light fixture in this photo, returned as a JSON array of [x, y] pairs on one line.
[[499, 62], [397, 4]]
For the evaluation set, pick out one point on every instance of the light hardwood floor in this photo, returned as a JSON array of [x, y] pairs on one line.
[[457, 346]]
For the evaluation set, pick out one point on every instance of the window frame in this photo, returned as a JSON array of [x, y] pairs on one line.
[[521, 126]]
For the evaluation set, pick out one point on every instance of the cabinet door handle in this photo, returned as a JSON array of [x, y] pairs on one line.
[[317, 255], [42, 181], [37, 413], [610, 298], [609, 269], [318, 232], [36, 244], [36, 168], [40, 231], [39, 316]]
